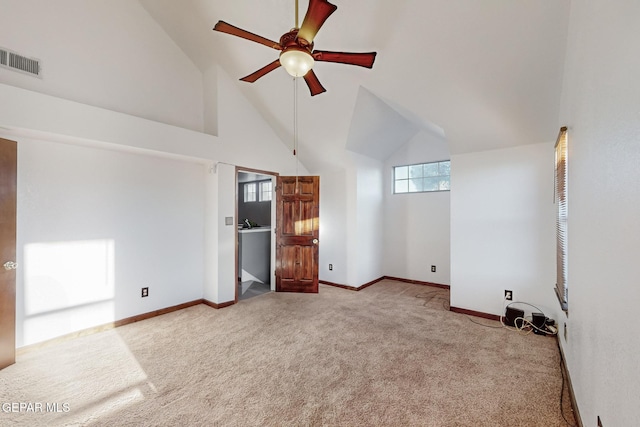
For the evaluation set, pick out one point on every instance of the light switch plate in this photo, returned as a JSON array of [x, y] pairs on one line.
[[228, 220]]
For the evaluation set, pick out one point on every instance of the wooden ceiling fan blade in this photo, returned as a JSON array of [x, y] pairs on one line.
[[317, 13], [360, 59], [224, 27], [261, 72], [315, 87]]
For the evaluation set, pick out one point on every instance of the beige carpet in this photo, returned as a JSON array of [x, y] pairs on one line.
[[389, 355]]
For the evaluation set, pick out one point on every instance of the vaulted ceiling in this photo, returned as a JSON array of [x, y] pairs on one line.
[[482, 74]]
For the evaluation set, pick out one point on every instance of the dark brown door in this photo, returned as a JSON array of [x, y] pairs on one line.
[[298, 219], [8, 169]]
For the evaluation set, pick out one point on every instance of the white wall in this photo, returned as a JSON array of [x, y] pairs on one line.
[[247, 139], [333, 227], [601, 105], [364, 196], [94, 227], [351, 221], [227, 234], [72, 128], [502, 228], [369, 220], [417, 226], [105, 53], [210, 99]]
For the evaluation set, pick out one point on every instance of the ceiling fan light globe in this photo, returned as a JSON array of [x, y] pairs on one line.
[[297, 62]]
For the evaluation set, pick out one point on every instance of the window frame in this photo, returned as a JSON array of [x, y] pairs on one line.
[[261, 192], [408, 179], [245, 190]]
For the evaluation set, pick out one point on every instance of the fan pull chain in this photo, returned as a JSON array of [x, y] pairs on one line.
[[295, 119], [295, 125], [295, 153]]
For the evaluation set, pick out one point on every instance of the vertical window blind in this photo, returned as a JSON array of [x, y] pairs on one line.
[[561, 198]]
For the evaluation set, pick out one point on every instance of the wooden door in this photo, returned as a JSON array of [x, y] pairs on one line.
[[8, 170], [298, 219]]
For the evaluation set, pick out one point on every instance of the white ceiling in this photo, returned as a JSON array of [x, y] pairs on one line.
[[483, 74]]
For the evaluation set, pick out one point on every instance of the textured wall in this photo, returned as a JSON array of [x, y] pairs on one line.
[[502, 228], [601, 105]]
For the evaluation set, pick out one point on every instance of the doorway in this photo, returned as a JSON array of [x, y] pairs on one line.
[[255, 242]]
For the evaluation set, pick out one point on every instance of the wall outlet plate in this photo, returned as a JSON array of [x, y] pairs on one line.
[[145, 292], [433, 268], [508, 295]]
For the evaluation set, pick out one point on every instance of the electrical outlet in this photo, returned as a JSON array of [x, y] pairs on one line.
[[330, 266], [508, 295], [433, 268], [145, 292]]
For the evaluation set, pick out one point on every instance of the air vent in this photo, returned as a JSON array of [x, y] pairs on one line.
[[16, 62]]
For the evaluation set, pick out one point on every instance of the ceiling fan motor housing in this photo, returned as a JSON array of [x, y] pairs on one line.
[[291, 40], [296, 55]]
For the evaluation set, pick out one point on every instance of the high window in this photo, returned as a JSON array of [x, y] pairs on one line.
[[422, 177], [561, 197], [250, 192], [266, 191], [258, 191]]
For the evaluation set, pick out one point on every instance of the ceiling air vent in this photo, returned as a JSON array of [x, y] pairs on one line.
[[16, 62]]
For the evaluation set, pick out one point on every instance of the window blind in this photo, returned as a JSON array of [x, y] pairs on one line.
[[561, 199]]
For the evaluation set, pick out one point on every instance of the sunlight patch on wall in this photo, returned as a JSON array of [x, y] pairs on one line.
[[68, 286]]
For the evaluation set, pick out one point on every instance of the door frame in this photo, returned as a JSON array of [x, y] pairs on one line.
[[274, 177]]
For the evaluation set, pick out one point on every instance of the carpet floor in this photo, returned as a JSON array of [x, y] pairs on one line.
[[389, 355]]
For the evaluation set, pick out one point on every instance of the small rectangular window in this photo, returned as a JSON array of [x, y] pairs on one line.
[[266, 191], [423, 177], [250, 192]]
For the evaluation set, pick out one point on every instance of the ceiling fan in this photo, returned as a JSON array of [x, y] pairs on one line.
[[296, 47]]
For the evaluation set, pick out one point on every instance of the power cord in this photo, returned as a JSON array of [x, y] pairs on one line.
[[482, 324], [525, 325], [562, 389], [430, 296], [551, 330]]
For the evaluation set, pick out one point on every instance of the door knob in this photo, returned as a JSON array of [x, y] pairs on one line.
[[10, 265], [315, 241]]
